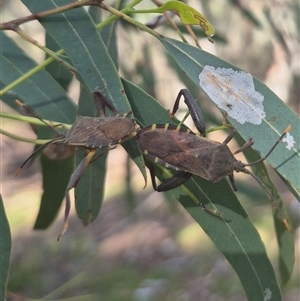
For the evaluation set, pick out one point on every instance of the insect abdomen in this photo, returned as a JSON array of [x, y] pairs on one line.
[[222, 163]]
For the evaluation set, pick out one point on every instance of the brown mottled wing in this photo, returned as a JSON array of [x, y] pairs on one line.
[[158, 142], [99, 132], [185, 151]]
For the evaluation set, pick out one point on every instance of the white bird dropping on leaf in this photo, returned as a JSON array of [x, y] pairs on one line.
[[233, 92], [289, 140], [268, 294]]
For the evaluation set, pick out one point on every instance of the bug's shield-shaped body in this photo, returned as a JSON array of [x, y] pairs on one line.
[[97, 132], [180, 149]]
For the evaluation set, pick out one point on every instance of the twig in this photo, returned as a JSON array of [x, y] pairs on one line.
[[14, 24]]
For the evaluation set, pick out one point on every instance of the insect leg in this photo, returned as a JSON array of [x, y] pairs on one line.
[[245, 146], [66, 218], [152, 174], [29, 112], [178, 179], [232, 181], [273, 202], [101, 102], [170, 183], [272, 148], [229, 137], [35, 152], [73, 182], [193, 108]]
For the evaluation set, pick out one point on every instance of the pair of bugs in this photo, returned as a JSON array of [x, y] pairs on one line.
[[175, 147]]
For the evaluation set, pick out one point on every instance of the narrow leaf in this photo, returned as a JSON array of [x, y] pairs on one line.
[[56, 175], [246, 253], [284, 237], [5, 249], [89, 191], [278, 115], [43, 93], [76, 33], [40, 91], [58, 71]]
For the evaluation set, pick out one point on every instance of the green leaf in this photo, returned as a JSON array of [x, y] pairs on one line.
[[89, 191], [54, 187], [76, 33], [95, 13], [192, 60], [246, 253], [278, 115], [58, 71], [286, 252], [40, 91], [109, 37], [285, 238], [50, 101], [56, 175], [5, 249]]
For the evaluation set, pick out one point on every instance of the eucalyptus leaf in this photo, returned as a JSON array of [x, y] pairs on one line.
[[246, 253], [40, 91], [76, 33], [56, 175], [5, 250], [49, 100], [278, 115]]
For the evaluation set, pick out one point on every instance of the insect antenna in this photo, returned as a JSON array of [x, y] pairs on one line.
[[273, 202], [73, 182], [102, 153], [66, 216], [30, 112], [35, 152], [272, 148]]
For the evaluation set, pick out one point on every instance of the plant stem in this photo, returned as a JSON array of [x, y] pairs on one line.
[[13, 25], [34, 120], [30, 73], [16, 137], [114, 17], [123, 15], [218, 128], [51, 53]]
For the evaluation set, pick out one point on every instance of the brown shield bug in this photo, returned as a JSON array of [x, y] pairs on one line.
[[92, 133], [178, 148]]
